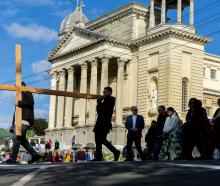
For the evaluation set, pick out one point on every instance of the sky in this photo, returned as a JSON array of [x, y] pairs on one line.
[[35, 24]]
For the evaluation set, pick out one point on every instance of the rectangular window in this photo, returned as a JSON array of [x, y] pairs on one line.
[[185, 83], [213, 74]]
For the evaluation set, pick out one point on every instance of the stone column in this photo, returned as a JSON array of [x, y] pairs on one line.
[[69, 100], [53, 99], [61, 100], [93, 90], [179, 11], [119, 97], [152, 14], [104, 73], [83, 89], [191, 16], [163, 12]]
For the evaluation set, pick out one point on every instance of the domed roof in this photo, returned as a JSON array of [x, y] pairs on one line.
[[75, 18]]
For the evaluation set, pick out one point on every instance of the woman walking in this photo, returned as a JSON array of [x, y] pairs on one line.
[[171, 144]]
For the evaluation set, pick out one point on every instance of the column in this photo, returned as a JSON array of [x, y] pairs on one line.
[[69, 100], [53, 99], [93, 90], [119, 97], [104, 73], [61, 100], [163, 12], [152, 14], [191, 16], [83, 89], [179, 11]]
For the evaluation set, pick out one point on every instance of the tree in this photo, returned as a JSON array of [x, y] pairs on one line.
[[30, 133], [39, 126]]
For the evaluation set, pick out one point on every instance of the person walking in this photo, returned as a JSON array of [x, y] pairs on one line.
[[215, 122], [56, 145], [194, 130], [27, 106], [162, 116], [171, 144], [134, 124], [58, 156], [105, 107], [150, 139], [48, 156]]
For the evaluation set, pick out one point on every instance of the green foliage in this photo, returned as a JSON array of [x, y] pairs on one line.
[[30, 133], [39, 126], [5, 149]]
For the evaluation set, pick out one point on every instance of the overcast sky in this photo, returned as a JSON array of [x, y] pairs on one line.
[[35, 25]]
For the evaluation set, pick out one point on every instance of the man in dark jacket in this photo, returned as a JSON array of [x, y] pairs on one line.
[[216, 126], [27, 106], [134, 124], [162, 115], [105, 107], [194, 130]]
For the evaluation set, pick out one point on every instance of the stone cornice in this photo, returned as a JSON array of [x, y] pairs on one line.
[[171, 32], [102, 40], [211, 91], [212, 58], [131, 8]]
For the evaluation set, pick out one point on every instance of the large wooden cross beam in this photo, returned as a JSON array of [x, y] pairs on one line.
[[19, 89]]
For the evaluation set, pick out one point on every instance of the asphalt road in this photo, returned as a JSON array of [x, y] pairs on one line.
[[182, 173]]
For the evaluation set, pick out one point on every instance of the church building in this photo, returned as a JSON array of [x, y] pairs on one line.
[[147, 60]]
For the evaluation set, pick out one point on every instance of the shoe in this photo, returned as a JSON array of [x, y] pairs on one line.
[[35, 158], [117, 155], [10, 162], [129, 159]]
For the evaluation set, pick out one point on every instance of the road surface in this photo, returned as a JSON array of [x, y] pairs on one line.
[[148, 173]]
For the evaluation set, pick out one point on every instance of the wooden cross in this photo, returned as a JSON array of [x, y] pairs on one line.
[[19, 89]]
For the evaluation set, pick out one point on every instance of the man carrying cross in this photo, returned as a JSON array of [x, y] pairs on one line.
[[27, 106], [105, 107]]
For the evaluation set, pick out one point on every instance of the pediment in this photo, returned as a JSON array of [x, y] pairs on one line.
[[74, 39]]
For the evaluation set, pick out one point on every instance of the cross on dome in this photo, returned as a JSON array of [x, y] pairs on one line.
[[76, 18]]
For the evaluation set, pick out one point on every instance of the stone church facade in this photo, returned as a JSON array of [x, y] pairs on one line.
[[146, 61]]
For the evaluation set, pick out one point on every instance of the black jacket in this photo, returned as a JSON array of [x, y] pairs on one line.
[[27, 105], [151, 135], [104, 110], [197, 119], [216, 112], [160, 124], [139, 125]]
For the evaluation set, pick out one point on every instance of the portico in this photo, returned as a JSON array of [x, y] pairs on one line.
[[106, 68]]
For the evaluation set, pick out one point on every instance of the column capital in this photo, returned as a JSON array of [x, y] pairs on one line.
[[93, 62], [105, 59], [62, 72], [53, 74], [84, 66], [70, 69], [122, 61]]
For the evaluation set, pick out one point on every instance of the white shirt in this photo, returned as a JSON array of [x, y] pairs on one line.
[[171, 123], [134, 119]]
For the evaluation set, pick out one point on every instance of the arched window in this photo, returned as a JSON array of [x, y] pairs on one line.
[[185, 90]]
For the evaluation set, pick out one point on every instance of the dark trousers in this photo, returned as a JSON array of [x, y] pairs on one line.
[[157, 148], [21, 140], [191, 139], [134, 138], [101, 139]]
